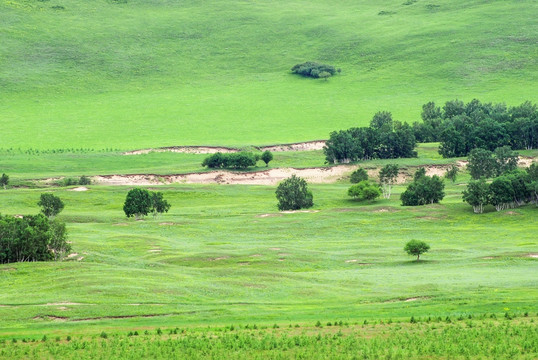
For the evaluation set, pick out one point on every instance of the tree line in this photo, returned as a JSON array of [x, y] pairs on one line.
[[384, 138], [461, 127], [239, 160]]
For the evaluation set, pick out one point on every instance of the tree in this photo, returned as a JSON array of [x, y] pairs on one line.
[[382, 122], [342, 147], [423, 190], [452, 173], [477, 195], [293, 194], [50, 205], [158, 204], [387, 177], [266, 157], [501, 193], [58, 239], [481, 163], [4, 180], [138, 203], [416, 248], [364, 190], [419, 174], [358, 175], [505, 159]]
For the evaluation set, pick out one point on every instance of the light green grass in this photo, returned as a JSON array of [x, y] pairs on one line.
[[221, 261], [108, 74]]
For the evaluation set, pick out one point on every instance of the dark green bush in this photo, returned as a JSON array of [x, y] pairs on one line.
[[313, 69]]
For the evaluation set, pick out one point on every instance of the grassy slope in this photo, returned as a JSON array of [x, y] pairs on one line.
[[220, 262], [157, 73]]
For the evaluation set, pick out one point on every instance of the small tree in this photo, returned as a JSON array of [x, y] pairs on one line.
[[4, 180], [452, 173], [266, 157], [158, 204], [387, 177], [481, 163], [505, 159], [293, 194], [477, 195], [358, 175], [416, 248], [50, 205], [138, 203], [58, 241], [364, 190]]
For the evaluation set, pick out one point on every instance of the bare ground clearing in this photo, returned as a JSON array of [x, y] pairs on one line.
[[303, 146]]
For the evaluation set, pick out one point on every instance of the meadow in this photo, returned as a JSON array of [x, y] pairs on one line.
[[133, 74]]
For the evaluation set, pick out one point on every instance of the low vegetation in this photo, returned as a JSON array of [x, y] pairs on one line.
[[314, 70]]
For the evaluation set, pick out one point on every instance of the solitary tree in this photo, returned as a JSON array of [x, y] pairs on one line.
[[387, 177], [416, 247], [4, 180], [138, 203], [364, 190], [266, 157], [293, 194], [158, 204], [477, 195], [358, 175], [50, 205]]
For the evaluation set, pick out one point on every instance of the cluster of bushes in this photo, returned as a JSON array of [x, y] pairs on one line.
[[383, 139], [512, 189], [462, 127], [485, 163], [423, 190], [83, 180], [314, 70], [239, 160], [31, 238]]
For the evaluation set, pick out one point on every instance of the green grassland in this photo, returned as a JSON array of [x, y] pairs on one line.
[[131, 74]]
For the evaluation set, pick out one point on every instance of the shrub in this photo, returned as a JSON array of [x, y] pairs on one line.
[[358, 175], [364, 190], [314, 70], [266, 157], [50, 205], [240, 160], [424, 190], [4, 180], [139, 202], [293, 194]]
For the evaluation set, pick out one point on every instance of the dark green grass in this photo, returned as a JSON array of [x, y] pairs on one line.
[[142, 74], [462, 338]]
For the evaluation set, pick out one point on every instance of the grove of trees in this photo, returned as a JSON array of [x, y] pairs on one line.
[[31, 238], [314, 70], [461, 127], [240, 160], [383, 139]]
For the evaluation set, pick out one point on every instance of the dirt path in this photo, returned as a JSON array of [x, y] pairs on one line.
[[303, 146]]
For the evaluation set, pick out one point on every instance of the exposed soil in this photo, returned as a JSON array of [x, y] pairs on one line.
[[534, 255], [80, 188], [303, 146], [264, 177]]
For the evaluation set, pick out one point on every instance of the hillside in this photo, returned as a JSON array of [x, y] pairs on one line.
[[132, 74]]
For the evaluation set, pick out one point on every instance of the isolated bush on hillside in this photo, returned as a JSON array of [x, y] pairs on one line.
[[4, 180], [293, 194], [358, 175], [140, 202], [31, 238], [50, 205], [314, 70]]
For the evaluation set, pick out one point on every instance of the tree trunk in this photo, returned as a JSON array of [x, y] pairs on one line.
[[418, 257]]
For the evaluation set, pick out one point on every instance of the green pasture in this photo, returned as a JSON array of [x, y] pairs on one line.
[[224, 254], [131, 74]]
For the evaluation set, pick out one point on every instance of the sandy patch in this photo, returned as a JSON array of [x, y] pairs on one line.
[[154, 250], [244, 263], [63, 303], [264, 177], [281, 259], [121, 224], [352, 261], [408, 299], [299, 211], [256, 255], [70, 256], [488, 257], [534, 256], [8, 269], [303, 146], [268, 215], [80, 188], [166, 224], [274, 249], [63, 308], [50, 318], [525, 161], [80, 258]]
